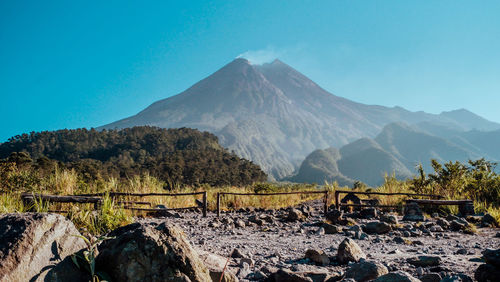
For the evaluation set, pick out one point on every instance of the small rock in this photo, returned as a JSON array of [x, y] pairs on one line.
[[401, 240], [397, 276], [295, 215], [368, 213], [284, 275], [331, 229], [389, 218], [317, 256], [237, 254], [320, 231], [365, 271], [431, 277], [377, 227], [425, 261], [349, 251], [492, 257], [335, 216]]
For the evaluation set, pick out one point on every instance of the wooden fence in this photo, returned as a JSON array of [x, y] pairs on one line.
[[221, 194], [338, 203], [97, 199]]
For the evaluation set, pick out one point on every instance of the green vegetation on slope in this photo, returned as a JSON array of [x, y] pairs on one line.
[[177, 156]]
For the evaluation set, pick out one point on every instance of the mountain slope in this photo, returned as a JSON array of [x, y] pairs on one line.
[[397, 149], [272, 114]]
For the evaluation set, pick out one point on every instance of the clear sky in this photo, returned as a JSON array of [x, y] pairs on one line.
[[70, 64]]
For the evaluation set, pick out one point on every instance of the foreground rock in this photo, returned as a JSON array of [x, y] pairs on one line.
[[490, 271], [365, 271], [398, 276], [31, 244], [349, 251], [150, 252]]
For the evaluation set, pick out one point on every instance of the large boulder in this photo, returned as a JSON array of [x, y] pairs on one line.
[[365, 271], [31, 244], [150, 252], [349, 251], [317, 256]]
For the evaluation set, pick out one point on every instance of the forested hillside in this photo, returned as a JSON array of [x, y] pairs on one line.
[[177, 156]]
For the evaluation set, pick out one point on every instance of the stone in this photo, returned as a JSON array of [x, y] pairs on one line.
[[320, 231], [244, 270], [389, 218], [436, 228], [335, 217], [487, 273], [33, 243], [443, 223], [489, 219], [412, 212], [401, 240], [237, 254], [456, 225], [365, 271], [431, 277], [295, 215], [317, 256], [239, 223], [377, 227], [397, 276], [255, 219], [248, 261], [150, 251], [226, 276], [349, 251], [492, 257], [284, 275], [456, 278], [425, 261], [331, 229], [368, 213]]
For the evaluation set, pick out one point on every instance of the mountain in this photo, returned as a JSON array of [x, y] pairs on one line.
[[274, 115], [397, 149]]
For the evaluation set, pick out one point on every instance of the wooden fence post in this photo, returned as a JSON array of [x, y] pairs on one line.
[[337, 200], [326, 202], [205, 204], [218, 204]]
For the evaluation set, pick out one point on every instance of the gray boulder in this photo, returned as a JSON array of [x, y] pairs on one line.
[[150, 252], [492, 257], [397, 276], [425, 261], [365, 271], [487, 273], [349, 251], [377, 227], [31, 244]]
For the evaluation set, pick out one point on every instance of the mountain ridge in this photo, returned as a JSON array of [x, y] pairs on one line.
[[274, 115]]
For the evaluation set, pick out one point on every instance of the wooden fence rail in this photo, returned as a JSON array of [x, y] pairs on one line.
[[325, 192], [338, 204], [97, 199]]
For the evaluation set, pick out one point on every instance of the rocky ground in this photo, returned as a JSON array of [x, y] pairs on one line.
[[268, 240]]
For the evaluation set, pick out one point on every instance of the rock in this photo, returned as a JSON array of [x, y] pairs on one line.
[[398, 276], [401, 240], [349, 251], [492, 257], [255, 219], [335, 216], [248, 261], [244, 271], [431, 277], [228, 277], [377, 227], [457, 278], [365, 271], [239, 223], [443, 223], [320, 231], [389, 218], [32, 243], [368, 213], [412, 212], [489, 219], [456, 225], [425, 261], [295, 215], [487, 273], [331, 229], [317, 256], [237, 254], [150, 252], [284, 275], [436, 228]]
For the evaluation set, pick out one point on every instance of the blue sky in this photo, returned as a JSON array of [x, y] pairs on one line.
[[70, 64]]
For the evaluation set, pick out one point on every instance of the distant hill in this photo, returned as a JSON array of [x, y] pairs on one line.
[[398, 149], [177, 156], [275, 116]]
